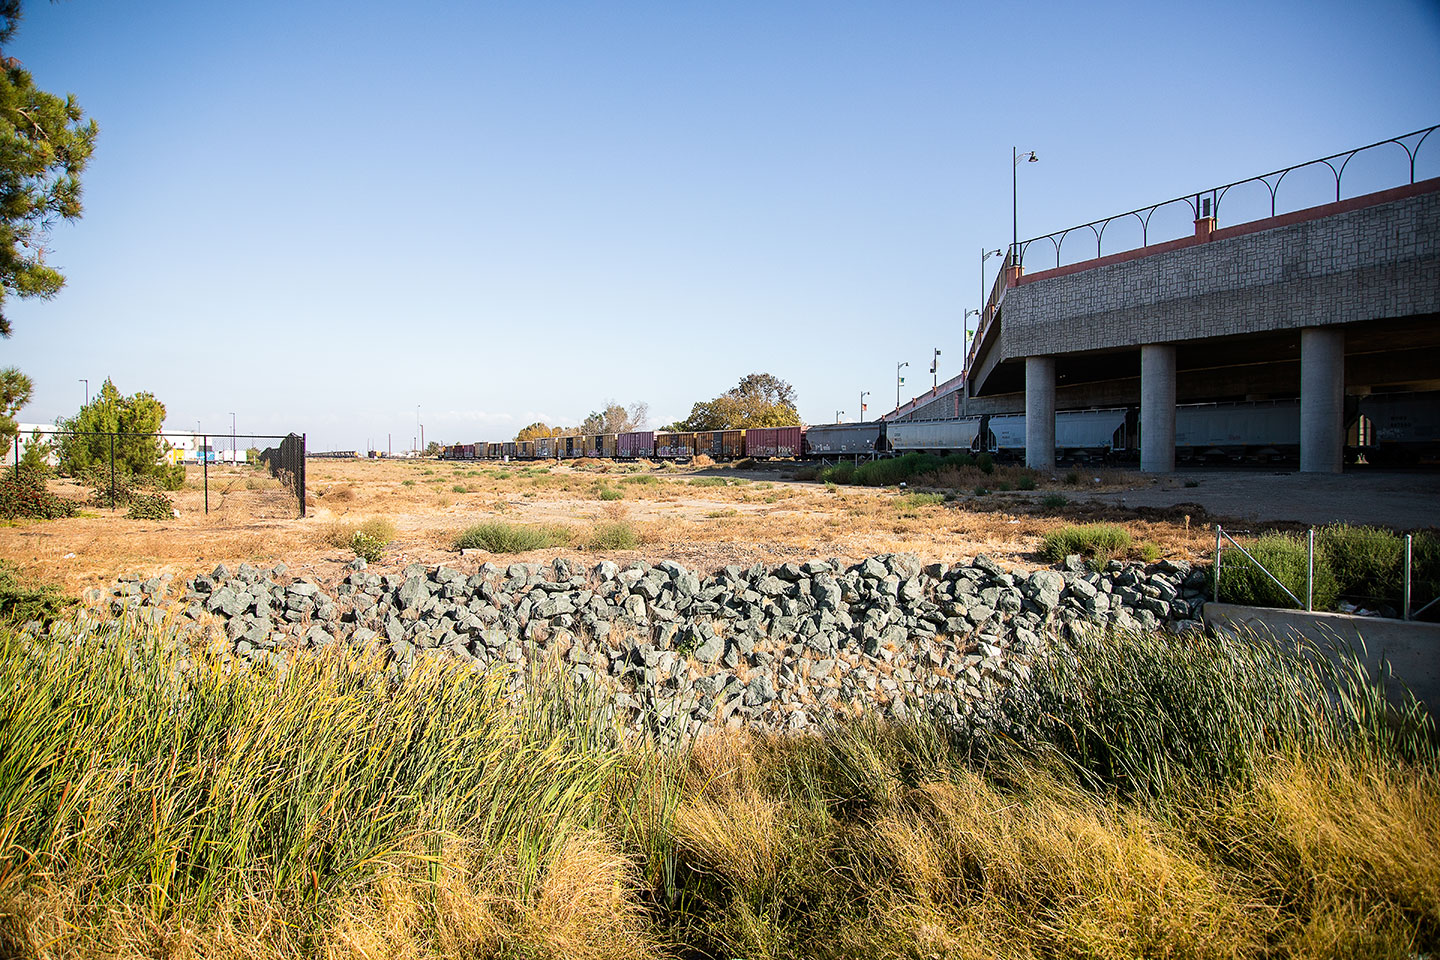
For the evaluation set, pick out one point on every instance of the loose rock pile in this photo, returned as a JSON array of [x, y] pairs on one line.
[[673, 652]]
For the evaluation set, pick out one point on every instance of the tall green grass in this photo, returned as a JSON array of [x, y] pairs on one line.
[[889, 471], [499, 537], [1141, 796], [1097, 542]]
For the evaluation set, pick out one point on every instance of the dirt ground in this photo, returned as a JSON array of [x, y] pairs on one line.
[[702, 516]]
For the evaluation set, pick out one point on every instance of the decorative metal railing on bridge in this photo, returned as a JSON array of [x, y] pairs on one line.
[[1200, 205]]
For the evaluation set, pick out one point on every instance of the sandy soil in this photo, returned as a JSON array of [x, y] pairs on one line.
[[705, 517]]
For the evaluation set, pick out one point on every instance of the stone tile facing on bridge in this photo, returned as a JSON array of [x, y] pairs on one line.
[[1374, 262]]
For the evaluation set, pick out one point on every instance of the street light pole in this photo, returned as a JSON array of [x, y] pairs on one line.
[[87, 390], [233, 445], [935, 370], [838, 415], [863, 395], [1016, 156], [417, 426], [899, 381]]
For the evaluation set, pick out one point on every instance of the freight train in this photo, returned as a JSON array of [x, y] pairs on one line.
[[1381, 428]]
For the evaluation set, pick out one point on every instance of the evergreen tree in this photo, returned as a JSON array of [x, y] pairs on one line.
[[45, 142], [87, 450], [15, 392]]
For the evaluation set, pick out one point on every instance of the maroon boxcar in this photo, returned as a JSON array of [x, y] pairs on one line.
[[770, 442], [636, 446]]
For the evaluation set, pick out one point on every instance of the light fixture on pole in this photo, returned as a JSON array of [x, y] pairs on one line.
[[968, 331], [863, 395], [234, 450], [1017, 157], [87, 390], [935, 370], [899, 381], [415, 441], [838, 415]]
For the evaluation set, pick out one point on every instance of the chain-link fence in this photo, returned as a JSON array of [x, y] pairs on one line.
[[286, 463], [115, 459]]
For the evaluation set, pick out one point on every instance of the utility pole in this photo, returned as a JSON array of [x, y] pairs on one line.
[[934, 370], [863, 395], [87, 390], [234, 450], [838, 415], [899, 382]]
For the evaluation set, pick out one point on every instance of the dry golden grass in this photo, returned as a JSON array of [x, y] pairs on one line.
[[729, 517]]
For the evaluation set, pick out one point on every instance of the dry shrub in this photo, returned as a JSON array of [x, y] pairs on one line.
[[702, 460], [339, 533]]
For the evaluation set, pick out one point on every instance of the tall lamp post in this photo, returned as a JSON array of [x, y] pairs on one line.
[[935, 370], [416, 441], [1018, 157], [838, 415], [234, 448], [863, 395], [87, 390], [899, 381]]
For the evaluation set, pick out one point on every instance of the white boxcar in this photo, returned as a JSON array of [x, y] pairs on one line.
[[953, 436]]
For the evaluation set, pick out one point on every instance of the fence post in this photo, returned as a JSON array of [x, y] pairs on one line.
[[112, 470], [301, 474], [1405, 605], [1310, 573], [205, 459], [1215, 594]]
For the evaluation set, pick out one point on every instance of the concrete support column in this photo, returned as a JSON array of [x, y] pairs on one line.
[[1040, 413], [1322, 400], [1157, 408]]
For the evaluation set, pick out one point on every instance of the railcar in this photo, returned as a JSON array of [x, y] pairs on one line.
[[1396, 428], [846, 439], [636, 445], [721, 444], [1263, 431], [933, 436], [767, 443]]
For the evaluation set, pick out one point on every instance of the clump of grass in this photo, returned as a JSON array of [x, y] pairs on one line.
[[1148, 550], [831, 487], [1054, 501], [980, 490], [1026, 482], [500, 537], [459, 488], [368, 539], [1097, 542], [1368, 562], [1072, 477], [643, 478], [606, 492], [407, 483], [717, 514], [613, 535], [709, 482], [915, 501]]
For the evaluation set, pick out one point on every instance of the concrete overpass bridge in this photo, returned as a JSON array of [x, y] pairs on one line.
[[1341, 297]]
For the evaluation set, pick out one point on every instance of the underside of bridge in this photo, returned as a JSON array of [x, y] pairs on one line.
[[1381, 356]]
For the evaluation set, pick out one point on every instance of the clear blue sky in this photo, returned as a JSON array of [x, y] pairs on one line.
[[319, 215]]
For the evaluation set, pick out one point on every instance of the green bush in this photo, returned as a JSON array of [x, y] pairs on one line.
[[369, 548], [914, 501], [27, 497], [1097, 542], [1368, 562], [1026, 482], [150, 506], [1054, 501], [607, 492], [500, 537], [1284, 555], [613, 535]]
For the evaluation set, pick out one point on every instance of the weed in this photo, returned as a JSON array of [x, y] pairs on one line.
[[980, 491], [1148, 550], [22, 600], [1285, 556], [607, 492], [499, 537], [1098, 542], [613, 535], [1026, 482], [1054, 501], [1072, 477], [648, 479]]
